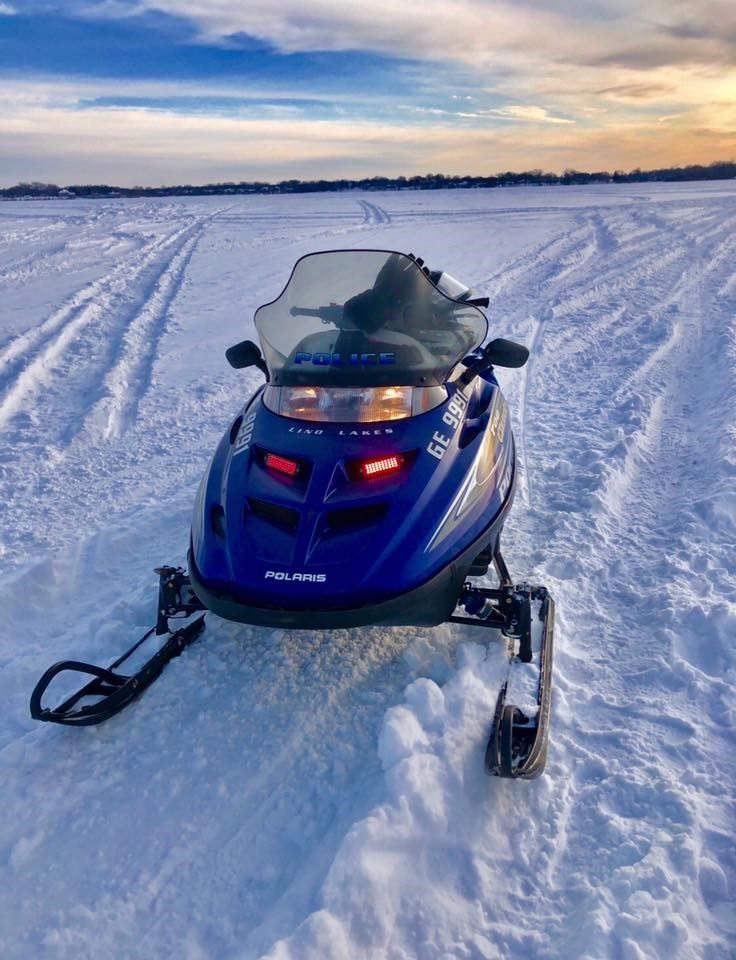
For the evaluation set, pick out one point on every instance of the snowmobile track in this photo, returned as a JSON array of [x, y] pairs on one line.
[[64, 350], [373, 215]]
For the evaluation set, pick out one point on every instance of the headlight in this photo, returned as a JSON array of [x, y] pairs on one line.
[[352, 404]]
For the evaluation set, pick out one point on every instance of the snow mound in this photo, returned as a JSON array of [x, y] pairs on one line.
[[416, 853]]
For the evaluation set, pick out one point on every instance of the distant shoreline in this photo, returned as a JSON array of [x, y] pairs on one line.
[[438, 181]]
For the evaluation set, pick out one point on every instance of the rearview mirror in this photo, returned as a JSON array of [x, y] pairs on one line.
[[498, 353], [246, 354], [506, 353]]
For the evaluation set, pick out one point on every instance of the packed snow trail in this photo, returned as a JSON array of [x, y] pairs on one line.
[[307, 795]]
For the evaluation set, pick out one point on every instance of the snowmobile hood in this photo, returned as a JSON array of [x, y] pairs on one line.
[[295, 515]]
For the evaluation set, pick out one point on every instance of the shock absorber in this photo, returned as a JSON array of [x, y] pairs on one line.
[[484, 604], [507, 608], [476, 605]]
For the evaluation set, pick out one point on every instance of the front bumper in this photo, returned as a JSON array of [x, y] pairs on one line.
[[427, 605]]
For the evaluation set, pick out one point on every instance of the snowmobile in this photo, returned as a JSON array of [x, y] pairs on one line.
[[366, 482]]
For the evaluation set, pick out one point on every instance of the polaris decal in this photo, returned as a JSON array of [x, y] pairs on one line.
[[345, 359], [245, 434], [453, 417], [292, 577]]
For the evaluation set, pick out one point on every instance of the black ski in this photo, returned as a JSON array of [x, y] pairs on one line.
[[115, 690], [517, 745]]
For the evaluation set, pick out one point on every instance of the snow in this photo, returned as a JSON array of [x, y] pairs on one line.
[[303, 795]]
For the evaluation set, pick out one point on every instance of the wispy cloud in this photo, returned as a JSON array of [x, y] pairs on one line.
[[475, 32], [133, 145], [527, 114], [636, 91], [6, 10]]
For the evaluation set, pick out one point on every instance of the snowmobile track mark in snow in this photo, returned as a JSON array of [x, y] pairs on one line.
[[128, 380], [535, 347], [43, 349], [373, 215], [72, 339]]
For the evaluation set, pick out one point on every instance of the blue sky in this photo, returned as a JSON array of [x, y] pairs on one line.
[[172, 91]]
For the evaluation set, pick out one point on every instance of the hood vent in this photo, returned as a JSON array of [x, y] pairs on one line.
[[274, 513], [345, 532], [353, 518]]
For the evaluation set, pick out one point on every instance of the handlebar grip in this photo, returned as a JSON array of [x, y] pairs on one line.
[[328, 314]]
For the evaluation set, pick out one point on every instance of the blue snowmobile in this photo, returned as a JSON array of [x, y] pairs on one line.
[[366, 482]]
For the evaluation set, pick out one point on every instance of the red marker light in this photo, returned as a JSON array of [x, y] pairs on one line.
[[380, 467], [281, 464]]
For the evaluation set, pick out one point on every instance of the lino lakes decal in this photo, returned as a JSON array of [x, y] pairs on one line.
[[343, 432]]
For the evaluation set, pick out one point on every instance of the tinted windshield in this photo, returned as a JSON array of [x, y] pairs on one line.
[[365, 318]]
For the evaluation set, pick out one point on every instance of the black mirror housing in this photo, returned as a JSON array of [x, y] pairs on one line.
[[506, 353], [498, 353], [246, 354]]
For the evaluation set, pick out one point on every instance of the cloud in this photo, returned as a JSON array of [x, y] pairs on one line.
[[637, 91], [134, 145], [18, 90], [7, 11], [415, 29], [476, 32], [527, 114]]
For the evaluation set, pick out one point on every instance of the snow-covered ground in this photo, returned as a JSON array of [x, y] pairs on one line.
[[305, 795]]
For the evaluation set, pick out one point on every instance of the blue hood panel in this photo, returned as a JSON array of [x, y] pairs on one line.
[[325, 541]]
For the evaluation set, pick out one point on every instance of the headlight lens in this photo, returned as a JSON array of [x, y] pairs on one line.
[[352, 404]]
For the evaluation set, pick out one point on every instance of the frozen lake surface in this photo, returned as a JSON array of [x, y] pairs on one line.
[[305, 795]]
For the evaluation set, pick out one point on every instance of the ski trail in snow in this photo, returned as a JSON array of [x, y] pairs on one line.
[[128, 380], [67, 251], [373, 215], [541, 261], [44, 350], [535, 348]]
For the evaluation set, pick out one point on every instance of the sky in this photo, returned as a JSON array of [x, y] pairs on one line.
[[153, 92]]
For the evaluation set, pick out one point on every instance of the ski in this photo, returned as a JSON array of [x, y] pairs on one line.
[[111, 690], [517, 744]]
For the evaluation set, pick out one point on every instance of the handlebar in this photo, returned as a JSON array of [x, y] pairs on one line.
[[332, 314]]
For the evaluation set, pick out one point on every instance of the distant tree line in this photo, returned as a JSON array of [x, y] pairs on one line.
[[430, 181]]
